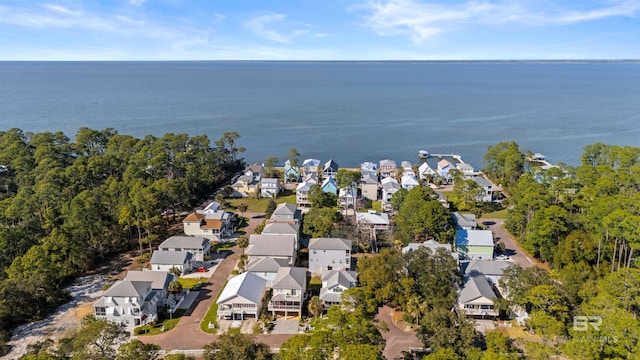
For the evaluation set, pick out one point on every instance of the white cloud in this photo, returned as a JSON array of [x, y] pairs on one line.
[[272, 26], [137, 2], [423, 20]]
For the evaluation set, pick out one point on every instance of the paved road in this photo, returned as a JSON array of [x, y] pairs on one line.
[[187, 335], [397, 339], [512, 248]]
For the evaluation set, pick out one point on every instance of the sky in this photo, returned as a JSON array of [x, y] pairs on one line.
[[319, 29]]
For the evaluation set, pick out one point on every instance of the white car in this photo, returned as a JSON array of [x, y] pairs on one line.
[[502, 257]]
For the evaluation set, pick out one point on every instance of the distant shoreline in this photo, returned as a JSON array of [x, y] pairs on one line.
[[450, 61]]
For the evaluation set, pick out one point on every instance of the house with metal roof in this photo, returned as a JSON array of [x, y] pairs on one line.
[[285, 212], [487, 186], [310, 166], [389, 187], [330, 168], [128, 303], [160, 281], [273, 246], [329, 254], [282, 228], [330, 185], [269, 187], [387, 168], [334, 283], [288, 287], [196, 245], [476, 297], [211, 223], [302, 193], [241, 297], [166, 260], [291, 173], [369, 186], [409, 181], [372, 220], [266, 267], [474, 244], [425, 171], [464, 221]]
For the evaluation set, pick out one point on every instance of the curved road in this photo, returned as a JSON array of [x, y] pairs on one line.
[[512, 248]]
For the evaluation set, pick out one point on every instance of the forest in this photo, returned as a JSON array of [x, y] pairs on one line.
[[67, 206]]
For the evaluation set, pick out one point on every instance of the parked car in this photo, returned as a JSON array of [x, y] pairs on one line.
[[201, 269], [502, 257]]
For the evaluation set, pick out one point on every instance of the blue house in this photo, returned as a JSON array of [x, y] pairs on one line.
[[291, 173], [329, 185]]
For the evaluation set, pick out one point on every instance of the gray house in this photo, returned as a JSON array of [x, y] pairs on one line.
[[288, 287], [128, 303], [269, 187], [476, 298], [160, 281], [334, 283], [286, 212], [272, 246], [198, 246], [266, 267], [166, 260]]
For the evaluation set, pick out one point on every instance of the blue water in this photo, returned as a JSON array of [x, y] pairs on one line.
[[349, 111]]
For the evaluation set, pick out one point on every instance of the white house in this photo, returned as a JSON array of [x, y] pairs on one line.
[[288, 287], [368, 168], [254, 171], [310, 166], [466, 169], [334, 283], [425, 171], [241, 297], [372, 220], [389, 187], [198, 246], [444, 166], [128, 303], [474, 244], [409, 181], [269, 187], [348, 196], [329, 254], [160, 281], [302, 193], [166, 260]]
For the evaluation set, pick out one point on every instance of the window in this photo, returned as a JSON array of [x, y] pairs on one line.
[[293, 291], [100, 311]]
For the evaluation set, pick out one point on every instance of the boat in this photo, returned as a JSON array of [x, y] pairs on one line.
[[423, 154]]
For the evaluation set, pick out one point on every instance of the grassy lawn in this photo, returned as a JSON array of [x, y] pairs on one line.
[[191, 283], [501, 214], [211, 316], [166, 324], [259, 205], [375, 205]]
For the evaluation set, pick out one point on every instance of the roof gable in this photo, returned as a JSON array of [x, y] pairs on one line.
[[329, 244], [290, 278], [185, 242], [476, 287], [159, 279], [474, 238], [128, 288], [246, 285], [170, 257]]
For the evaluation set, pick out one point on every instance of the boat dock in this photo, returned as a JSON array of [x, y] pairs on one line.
[[423, 154], [540, 159]]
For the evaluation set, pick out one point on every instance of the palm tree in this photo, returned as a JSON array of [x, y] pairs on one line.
[[243, 207], [175, 287], [315, 306], [242, 243]]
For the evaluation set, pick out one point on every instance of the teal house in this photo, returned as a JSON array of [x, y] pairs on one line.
[[329, 185]]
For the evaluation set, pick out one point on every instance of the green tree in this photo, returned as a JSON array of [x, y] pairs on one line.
[[242, 207], [175, 287], [294, 157], [319, 222], [242, 243], [321, 199], [271, 207], [315, 306], [137, 350], [505, 162], [270, 167], [97, 340], [236, 346]]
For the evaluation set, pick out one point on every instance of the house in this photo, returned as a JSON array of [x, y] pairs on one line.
[[368, 168], [334, 283], [429, 244], [476, 298], [372, 220], [269, 187], [273, 246], [291, 173], [464, 221], [466, 169], [245, 186], [409, 181], [442, 199], [166, 260], [474, 244], [444, 166], [286, 212], [310, 166], [406, 167], [160, 281], [425, 171], [255, 171], [241, 297], [128, 303], [211, 223], [330, 185], [329, 254], [266, 267], [369, 186], [387, 168], [302, 193], [347, 196], [330, 168], [389, 187], [490, 269], [487, 195], [289, 288], [311, 178], [198, 246], [282, 228]]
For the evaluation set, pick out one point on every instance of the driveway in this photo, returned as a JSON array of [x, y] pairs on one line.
[[397, 340], [512, 247]]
